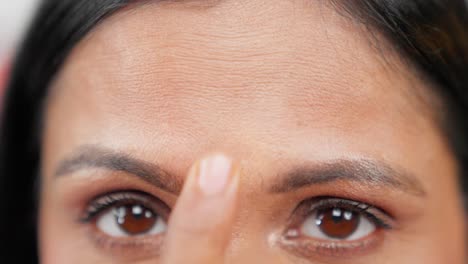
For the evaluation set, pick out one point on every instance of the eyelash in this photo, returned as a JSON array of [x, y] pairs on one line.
[[299, 244], [105, 202], [378, 216]]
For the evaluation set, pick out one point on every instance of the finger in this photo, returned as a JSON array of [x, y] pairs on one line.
[[201, 223]]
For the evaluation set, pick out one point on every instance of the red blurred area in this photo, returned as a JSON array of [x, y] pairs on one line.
[[4, 69], [3, 76]]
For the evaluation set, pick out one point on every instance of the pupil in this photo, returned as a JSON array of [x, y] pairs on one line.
[[337, 223], [135, 219]]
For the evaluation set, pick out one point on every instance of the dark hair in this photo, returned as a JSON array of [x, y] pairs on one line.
[[431, 33]]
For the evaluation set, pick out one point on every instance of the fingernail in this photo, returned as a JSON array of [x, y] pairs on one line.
[[214, 174]]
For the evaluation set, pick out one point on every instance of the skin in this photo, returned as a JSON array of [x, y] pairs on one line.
[[274, 87]]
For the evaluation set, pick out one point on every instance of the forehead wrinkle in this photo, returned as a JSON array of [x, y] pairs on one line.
[[178, 61], [182, 72]]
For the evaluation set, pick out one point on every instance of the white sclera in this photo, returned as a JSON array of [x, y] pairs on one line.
[[108, 224], [311, 228]]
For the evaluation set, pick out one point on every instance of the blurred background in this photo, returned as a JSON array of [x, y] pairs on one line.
[[14, 17]]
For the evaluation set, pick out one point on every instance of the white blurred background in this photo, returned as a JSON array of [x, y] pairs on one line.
[[14, 17]]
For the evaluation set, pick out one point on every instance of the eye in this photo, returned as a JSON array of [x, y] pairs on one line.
[[127, 214], [335, 227], [337, 224], [130, 220], [339, 219]]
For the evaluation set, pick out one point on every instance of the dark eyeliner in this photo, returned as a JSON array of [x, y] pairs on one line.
[[378, 216], [102, 203]]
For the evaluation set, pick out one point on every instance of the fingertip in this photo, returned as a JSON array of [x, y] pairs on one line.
[[203, 217]]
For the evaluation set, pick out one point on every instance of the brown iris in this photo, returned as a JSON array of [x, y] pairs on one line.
[[135, 219], [337, 223]]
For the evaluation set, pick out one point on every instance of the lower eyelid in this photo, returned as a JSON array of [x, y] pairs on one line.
[[126, 248], [316, 248]]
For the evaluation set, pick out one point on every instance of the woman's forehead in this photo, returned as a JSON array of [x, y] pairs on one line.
[[232, 57], [160, 75]]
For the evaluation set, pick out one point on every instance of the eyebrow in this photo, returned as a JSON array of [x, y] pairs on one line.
[[364, 171], [99, 157]]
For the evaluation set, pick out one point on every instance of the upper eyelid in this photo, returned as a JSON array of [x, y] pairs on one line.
[[384, 219], [125, 196], [337, 201]]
